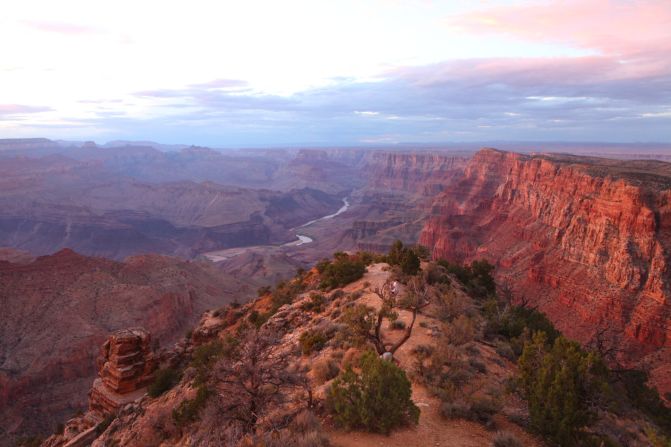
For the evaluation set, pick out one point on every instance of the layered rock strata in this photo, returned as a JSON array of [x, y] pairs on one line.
[[587, 240], [125, 367]]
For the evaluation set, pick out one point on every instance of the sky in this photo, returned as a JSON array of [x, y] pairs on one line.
[[347, 72]]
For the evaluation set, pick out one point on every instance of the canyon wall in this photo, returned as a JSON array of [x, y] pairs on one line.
[[399, 190], [587, 240], [425, 173]]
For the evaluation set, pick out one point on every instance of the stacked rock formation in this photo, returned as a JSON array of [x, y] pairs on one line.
[[126, 366]]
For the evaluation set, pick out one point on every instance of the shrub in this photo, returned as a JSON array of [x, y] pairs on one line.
[[477, 277], [312, 341], [410, 263], [257, 318], [657, 439], [562, 384], [478, 409], [483, 408], [460, 331], [450, 306], [164, 379], [376, 400], [505, 350], [339, 293], [478, 366], [397, 325], [325, 369], [645, 398], [305, 422], [455, 410], [505, 439], [351, 358], [315, 304], [343, 270], [189, 410], [518, 318], [406, 258]]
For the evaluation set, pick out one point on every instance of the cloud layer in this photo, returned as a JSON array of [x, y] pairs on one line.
[[612, 82]]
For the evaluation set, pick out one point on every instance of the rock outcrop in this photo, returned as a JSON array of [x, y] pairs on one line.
[[125, 367], [587, 240]]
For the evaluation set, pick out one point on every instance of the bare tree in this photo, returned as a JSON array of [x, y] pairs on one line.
[[256, 377], [368, 323], [604, 342]]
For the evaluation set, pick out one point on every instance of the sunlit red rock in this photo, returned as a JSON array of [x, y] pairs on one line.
[[588, 241]]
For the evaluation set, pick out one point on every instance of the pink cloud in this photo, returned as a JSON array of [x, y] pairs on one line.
[[15, 109], [61, 28], [630, 42], [537, 72], [628, 29]]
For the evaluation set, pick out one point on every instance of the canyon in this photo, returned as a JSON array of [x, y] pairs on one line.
[[102, 238]]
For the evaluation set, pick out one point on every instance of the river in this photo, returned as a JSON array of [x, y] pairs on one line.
[[301, 239]]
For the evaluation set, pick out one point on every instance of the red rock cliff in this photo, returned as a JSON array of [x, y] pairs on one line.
[[587, 240], [415, 172]]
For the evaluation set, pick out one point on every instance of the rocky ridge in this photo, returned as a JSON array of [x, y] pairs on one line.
[[155, 421]]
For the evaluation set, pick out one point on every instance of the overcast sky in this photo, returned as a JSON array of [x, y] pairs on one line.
[[324, 72]]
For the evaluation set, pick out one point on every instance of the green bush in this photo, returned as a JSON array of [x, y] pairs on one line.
[[645, 398], [312, 341], [189, 410], [405, 257], [378, 399], [343, 270], [257, 318], [562, 385], [410, 263], [477, 277], [518, 318], [316, 304], [164, 379], [285, 292]]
